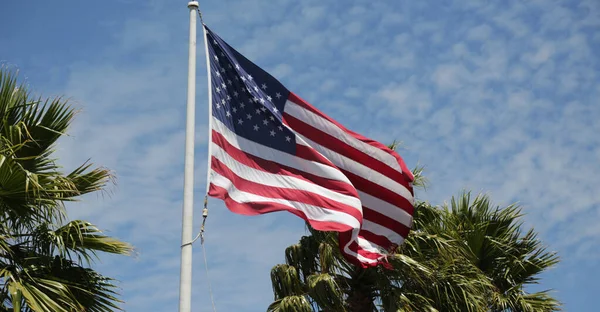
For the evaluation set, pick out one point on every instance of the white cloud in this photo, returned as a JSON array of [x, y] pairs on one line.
[[480, 32], [450, 76], [541, 55], [497, 97], [281, 71], [403, 100]]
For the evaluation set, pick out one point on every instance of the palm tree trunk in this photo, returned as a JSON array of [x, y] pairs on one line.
[[360, 294], [359, 301]]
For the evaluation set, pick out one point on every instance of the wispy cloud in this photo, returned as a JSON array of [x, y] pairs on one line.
[[490, 96]]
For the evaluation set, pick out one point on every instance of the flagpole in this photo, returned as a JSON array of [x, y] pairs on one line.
[[185, 278]]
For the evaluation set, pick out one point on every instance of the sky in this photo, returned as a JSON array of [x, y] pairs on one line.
[[496, 97]]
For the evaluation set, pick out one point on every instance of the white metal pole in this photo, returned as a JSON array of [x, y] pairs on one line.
[[185, 278]]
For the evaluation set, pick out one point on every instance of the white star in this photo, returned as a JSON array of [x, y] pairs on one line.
[[256, 88], [235, 93], [262, 101], [257, 111], [264, 86], [248, 116], [234, 110], [229, 82], [250, 77], [255, 99], [222, 70], [218, 74], [272, 133], [228, 97], [256, 128], [236, 78], [277, 95], [228, 114], [222, 53], [223, 101], [263, 109], [223, 85], [218, 89], [248, 89], [287, 138], [214, 41], [272, 118], [265, 122], [269, 98], [229, 66], [275, 110], [237, 66], [240, 121], [218, 106], [280, 128], [216, 58], [242, 105]]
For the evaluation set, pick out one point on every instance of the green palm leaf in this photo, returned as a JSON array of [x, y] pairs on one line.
[[44, 260], [466, 256]]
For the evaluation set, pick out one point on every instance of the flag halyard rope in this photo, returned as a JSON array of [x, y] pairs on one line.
[[205, 210], [201, 235]]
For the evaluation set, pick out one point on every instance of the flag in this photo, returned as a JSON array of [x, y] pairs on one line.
[[273, 151]]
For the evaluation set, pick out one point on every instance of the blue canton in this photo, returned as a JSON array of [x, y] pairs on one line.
[[248, 100]]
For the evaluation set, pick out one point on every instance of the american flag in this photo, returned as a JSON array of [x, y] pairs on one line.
[[273, 151]]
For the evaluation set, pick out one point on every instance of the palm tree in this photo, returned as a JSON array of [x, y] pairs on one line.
[[45, 259], [428, 275], [494, 241], [466, 257]]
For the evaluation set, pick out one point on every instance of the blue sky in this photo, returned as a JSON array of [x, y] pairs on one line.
[[496, 97]]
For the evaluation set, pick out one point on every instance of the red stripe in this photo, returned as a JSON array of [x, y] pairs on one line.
[[345, 237], [336, 145], [257, 208], [385, 221], [297, 195], [276, 168], [389, 223], [367, 254], [376, 239], [311, 154], [380, 192], [361, 183], [299, 101]]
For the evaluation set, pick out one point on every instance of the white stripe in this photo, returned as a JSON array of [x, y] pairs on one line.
[[354, 254], [274, 155], [361, 170], [312, 212], [327, 126], [346, 163], [370, 246], [382, 231], [282, 181], [385, 208]]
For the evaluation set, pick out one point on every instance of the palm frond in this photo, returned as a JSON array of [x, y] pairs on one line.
[[468, 255], [41, 258], [291, 304], [79, 238], [420, 181], [324, 290]]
